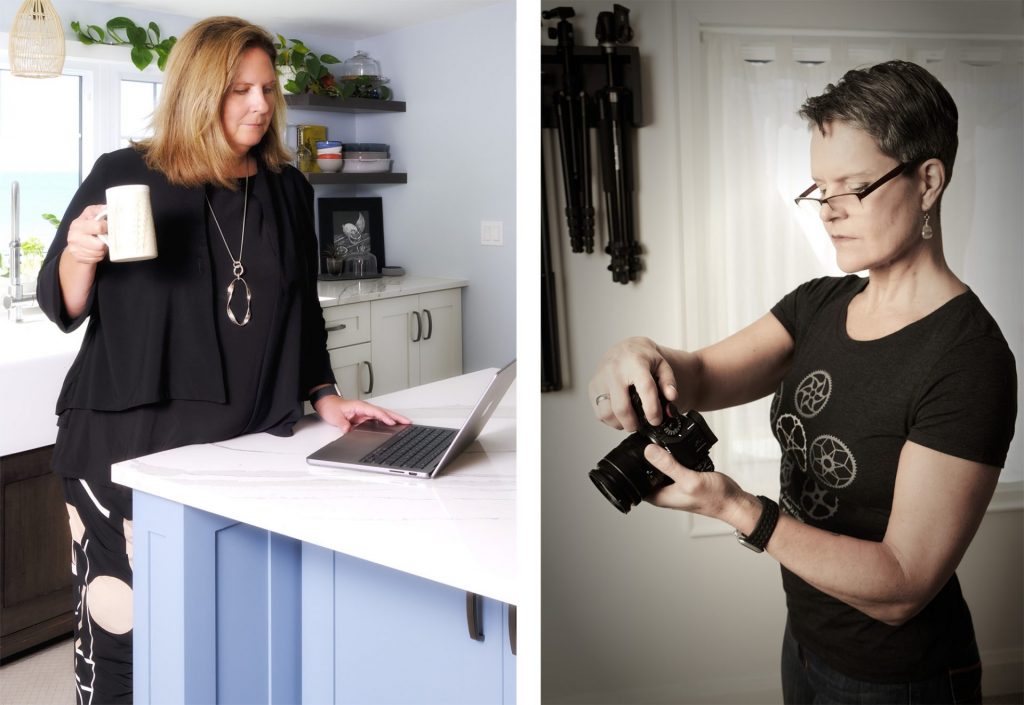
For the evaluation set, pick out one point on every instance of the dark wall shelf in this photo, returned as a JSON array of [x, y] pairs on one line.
[[390, 177], [308, 101]]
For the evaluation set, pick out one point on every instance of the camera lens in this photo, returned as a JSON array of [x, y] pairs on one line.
[[625, 477]]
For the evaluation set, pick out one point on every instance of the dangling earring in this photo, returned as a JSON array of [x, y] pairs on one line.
[[926, 231]]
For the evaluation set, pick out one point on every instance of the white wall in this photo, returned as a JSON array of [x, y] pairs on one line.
[[635, 608], [457, 142]]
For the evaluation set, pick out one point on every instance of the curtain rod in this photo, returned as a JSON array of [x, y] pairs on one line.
[[861, 34]]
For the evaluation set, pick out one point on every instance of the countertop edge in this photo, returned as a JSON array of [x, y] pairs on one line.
[[339, 293]]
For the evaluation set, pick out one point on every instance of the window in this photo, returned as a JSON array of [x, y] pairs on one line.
[[104, 102], [138, 99], [42, 152]]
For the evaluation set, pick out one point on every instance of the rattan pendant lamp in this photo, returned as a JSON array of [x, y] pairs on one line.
[[36, 47]]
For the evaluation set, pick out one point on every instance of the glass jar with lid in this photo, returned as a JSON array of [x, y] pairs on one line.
[[361, 78], [360, 65]]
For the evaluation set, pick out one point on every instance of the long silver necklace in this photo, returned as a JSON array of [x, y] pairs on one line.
[[238, 270]]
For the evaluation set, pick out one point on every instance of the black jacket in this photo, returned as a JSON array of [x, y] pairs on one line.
[[151, 334]]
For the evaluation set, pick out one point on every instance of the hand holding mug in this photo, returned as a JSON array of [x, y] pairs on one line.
[[84, 243], [130, 234]]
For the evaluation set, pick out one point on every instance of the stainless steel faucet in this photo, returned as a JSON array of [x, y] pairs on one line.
[[16, 299]]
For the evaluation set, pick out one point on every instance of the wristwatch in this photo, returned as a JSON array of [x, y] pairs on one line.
[[764, 529], [329, 391]]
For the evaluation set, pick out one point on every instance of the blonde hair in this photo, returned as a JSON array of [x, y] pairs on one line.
[[188, 144]]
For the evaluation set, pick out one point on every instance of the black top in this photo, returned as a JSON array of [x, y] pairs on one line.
[[88, 441], [161, 365], [842, 416]]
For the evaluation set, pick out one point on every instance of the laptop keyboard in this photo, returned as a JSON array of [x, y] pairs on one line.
[[414, 447]]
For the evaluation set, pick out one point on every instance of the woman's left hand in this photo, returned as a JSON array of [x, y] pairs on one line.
[[711, 494], [346, 413]]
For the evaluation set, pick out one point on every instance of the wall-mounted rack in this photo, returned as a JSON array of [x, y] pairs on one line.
[[593, 70]]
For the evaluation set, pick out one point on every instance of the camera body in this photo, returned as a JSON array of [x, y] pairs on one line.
[[625, 477]]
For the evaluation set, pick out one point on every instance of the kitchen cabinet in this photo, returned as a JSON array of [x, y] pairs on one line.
[[399, 638], [395, 343], [416, 339], [348, 344], [321, 626], [36, 601]]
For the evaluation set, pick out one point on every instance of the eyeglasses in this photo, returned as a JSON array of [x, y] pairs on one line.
[[848, 201]]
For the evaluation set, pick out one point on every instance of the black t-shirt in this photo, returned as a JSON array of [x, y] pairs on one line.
[[842, 415]]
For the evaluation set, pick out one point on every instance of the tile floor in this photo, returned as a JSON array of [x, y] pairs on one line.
[[45, 677]]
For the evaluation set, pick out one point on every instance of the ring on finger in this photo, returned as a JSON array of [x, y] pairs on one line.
[[601, 397]]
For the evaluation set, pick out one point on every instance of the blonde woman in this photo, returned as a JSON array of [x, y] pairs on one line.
[[220, 335]]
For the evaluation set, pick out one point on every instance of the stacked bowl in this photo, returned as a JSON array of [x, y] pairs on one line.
[[328, 156], [366, 158]]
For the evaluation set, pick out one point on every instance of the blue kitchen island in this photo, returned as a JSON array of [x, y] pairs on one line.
[[262, 579]]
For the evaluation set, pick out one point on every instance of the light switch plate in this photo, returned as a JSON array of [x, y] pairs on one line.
[[491, 233]]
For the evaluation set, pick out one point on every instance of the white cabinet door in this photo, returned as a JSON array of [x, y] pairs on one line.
[[394, 355], [440, 347], [353, 371], [416, 339]]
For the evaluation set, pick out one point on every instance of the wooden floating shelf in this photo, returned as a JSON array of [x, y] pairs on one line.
[[389, 177], [309, 101]]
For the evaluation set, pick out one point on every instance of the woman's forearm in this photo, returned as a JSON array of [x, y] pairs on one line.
[[76, 280], [867, 575], [745, 366]]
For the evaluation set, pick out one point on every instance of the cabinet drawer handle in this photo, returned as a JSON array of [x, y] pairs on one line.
[[340, 326], [419, 327], [430, 324], [473, 622], [512, 628], [369, 368]]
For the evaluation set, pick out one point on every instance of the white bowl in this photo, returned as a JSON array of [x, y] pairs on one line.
[[330, 165], [366, 166], [328, 150]]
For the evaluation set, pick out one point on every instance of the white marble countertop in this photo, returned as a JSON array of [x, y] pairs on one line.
[[355, 290], [457, 529]]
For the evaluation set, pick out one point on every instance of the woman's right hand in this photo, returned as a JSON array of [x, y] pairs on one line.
[[77, 266], [637, 362], [84, 247]]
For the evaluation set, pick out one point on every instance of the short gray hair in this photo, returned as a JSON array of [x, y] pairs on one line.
[[903, 107]]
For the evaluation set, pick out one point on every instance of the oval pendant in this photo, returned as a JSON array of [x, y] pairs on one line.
[[248, 302]]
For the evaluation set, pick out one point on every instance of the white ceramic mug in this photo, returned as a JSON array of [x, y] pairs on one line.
[[130, 233]]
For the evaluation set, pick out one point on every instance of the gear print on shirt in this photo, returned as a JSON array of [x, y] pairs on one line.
[[811, 474]]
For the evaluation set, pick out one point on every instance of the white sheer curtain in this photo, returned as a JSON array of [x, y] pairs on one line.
[[754, 245]]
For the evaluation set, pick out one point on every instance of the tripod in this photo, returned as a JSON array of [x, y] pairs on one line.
[[571, 105], [615, 114]]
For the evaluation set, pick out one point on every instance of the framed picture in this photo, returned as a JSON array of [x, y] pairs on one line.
[[348, 226]]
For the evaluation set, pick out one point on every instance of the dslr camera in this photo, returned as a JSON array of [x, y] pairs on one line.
[[626, 478]]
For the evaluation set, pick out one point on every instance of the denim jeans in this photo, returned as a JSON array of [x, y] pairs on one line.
[[807, 680]]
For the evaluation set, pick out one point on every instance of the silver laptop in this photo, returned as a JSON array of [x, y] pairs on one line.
[[416, 450]]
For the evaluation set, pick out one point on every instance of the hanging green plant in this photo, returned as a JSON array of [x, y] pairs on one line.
[[145, 41], [303, 70]]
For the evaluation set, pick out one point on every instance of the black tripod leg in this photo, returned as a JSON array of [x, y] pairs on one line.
[[551, 361], [567, 143]]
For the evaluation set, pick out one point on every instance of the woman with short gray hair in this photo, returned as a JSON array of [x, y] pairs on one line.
[[894, 407]]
